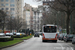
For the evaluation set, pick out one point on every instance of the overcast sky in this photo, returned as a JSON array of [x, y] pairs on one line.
[[33, 3]]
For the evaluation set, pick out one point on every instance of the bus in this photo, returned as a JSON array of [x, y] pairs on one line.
[[49, 33]]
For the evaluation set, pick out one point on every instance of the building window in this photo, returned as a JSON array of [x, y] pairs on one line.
[[12, 0], [7, 12], [7, 4], [7, 0], [12, 16], [7, 8], [12, 9], [2, 0], [2, 8], [12, 12], [12, 5], [2, 4]]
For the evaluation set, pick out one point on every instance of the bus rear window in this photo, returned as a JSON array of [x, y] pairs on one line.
[[50, 29]]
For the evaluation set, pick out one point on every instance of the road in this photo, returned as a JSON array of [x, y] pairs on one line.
[[35, 43]]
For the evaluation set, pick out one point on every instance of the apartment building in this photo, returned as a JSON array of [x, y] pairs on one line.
[[37, 19], [14, 8], [28, 15]]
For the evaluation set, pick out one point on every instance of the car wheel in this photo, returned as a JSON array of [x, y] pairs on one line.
[[73, 43], [55, 41], [66, 40]]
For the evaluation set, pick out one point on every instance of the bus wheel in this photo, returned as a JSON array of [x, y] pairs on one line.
[[43, 40], [55, 41]]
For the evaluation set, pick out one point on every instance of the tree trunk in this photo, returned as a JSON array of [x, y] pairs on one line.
[[68, 21]]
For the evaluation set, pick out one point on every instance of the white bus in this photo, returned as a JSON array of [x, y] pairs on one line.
[[49, 32]]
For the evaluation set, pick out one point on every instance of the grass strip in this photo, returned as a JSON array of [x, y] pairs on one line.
[[27, 37], [8, 43], [16, 40]]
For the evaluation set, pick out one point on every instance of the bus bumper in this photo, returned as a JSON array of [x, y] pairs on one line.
[[49, 38]]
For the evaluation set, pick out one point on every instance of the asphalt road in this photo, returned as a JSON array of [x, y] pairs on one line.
[[35, 43]]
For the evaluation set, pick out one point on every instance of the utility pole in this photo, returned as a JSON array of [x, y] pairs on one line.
[[70, 24]]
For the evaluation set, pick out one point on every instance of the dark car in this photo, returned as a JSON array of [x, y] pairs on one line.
[[36, 35], [61, 36], [73, 40], [68, 37]]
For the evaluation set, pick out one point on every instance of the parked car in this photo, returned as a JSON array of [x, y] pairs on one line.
[[19, 35], [68, 37], [23, 34], [63, 34], [14, 33], [73, 40], [36, 35], [3, 37], [60, 36], [9, 34]]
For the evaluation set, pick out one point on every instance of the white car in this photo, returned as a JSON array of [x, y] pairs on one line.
[[23, 33], [9, 34], [3, 37], [19, 35]]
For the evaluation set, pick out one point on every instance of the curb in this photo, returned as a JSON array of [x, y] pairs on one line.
[[11, 45]]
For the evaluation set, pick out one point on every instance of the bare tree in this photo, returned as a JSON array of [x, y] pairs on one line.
[[2, 19], [14, 24], [67, 6]]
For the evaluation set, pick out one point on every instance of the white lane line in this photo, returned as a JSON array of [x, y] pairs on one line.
[[61, 46]]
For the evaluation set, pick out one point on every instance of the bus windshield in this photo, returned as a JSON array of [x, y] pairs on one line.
[[50, 29]]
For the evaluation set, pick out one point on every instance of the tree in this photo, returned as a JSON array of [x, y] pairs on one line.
[[15, 24], [67, 6], [54, 18], [2, 19]]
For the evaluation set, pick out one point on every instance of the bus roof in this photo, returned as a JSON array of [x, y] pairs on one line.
[[49, 25]]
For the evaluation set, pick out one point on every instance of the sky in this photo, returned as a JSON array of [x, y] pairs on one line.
[[33, 3]]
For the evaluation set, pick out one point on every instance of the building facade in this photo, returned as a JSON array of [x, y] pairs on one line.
[[37, 19], [14, 8], [28, 15]]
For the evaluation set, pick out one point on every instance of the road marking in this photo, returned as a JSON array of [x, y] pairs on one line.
[[61, 46], [70, 47]]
